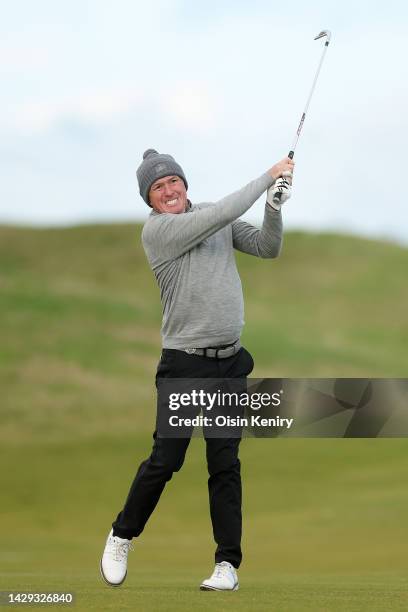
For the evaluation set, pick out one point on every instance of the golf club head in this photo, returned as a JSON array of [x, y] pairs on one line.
[[324, 33]]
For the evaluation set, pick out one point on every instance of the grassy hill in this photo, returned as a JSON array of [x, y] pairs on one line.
[[325, 520], [81, 316]]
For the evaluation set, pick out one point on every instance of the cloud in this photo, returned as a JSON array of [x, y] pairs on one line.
[[15, 58], [189, 105], [89, 106], [223, 90]]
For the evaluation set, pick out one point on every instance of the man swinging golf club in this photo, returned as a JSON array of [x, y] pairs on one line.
[[190, 248]]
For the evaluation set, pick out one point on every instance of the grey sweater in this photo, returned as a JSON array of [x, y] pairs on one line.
[[191, 255]]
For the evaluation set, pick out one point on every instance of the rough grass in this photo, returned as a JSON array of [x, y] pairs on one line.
[[80, 317]]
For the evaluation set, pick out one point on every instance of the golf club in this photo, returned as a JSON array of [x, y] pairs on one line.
[[323, 33]]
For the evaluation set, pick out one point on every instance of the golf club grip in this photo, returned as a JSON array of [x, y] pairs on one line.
[[277, 197]]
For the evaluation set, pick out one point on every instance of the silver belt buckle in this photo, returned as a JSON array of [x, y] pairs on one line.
[[190, 351]]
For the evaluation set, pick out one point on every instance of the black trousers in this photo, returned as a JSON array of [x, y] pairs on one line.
[[167, 457]]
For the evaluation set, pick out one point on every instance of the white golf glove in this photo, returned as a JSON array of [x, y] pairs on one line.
[[282, 185]]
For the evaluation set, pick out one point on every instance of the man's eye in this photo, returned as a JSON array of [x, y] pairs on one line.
[[175, 180]]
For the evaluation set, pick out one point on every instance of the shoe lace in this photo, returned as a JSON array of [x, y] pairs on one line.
[[221, 570], [120, 549]]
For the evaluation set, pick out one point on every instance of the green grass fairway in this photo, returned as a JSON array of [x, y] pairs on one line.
[[325, 524]]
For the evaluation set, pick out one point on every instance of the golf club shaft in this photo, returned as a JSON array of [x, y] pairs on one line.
[[302, 119], [291, 153]]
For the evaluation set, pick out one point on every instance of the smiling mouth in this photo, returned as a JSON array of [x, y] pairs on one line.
[[172, 202]]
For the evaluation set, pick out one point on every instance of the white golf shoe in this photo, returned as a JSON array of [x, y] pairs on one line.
[[224, 578], [114, 560]]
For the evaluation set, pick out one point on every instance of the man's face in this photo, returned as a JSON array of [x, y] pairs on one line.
[[168, 195]]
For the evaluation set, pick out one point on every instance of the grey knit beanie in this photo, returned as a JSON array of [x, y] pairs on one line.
[[156, 166]]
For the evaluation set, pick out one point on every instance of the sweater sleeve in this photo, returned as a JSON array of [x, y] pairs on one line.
[[167, 236], [265, 242]]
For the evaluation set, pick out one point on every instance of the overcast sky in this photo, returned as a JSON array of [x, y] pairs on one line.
[[88, 85]]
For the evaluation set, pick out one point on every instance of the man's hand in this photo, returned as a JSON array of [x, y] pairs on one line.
[[285, 165], [283, 186]]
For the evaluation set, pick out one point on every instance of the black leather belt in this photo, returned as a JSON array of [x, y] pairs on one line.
[[217, 352]]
